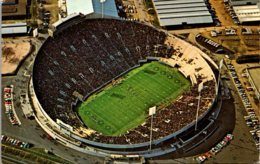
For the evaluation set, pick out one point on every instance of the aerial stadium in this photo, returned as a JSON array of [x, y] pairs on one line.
[[94, 81]]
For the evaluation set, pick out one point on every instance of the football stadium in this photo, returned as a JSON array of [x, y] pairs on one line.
[[95, 80]]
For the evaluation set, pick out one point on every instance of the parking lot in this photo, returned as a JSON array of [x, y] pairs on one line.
[[252, 111], [244, 89], [230, 11], [215, 150], [15, 142], [242, 76]]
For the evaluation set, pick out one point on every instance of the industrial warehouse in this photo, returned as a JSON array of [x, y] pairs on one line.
[[182, 12]]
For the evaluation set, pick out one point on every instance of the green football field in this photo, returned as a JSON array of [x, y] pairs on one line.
[[125, 105]]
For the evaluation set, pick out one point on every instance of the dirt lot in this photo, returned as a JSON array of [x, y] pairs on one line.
[[13, 54], [141, 11], [240, 44]]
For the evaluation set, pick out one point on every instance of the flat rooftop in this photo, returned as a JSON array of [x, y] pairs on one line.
[[243, 2], [9, 2], [14, 28], [179, 12], [11, 8], [79, 6], [91, 6], [248, 13], [109, 7]]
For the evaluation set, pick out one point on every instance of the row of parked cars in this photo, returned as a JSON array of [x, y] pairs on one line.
[[239, 86], [210, 44], [231, 12], [251, 119], [15, 142], [255, 132], [8, 99], [213, 13], [9, 108], [129, 9], [216, 149]]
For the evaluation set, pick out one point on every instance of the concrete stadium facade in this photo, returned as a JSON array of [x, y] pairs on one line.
[[71, 139]]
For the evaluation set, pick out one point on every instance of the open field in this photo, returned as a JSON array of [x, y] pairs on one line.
[[124, 105]]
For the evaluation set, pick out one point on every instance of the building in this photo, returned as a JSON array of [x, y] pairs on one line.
[[89, 9], [182, 12], [253, 77], [108, 8], [80, 6], [14, 28], [14, 9], [248, 13], [9, 2], [243, 2]]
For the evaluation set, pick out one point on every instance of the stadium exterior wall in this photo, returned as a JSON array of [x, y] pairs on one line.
[[49, 131], [33, 92], [118, 146], [122, 146]]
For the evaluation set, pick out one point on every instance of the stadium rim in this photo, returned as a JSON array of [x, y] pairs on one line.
[[76, 137]]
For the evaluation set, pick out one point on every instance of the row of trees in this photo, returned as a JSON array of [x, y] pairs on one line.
[[9, 55]]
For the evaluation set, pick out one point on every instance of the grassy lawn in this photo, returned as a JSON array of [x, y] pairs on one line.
[[125, 105]]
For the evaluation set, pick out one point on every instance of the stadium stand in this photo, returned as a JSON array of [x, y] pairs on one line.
[[81, 59]]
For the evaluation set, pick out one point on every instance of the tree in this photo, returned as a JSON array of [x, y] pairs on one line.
[[8, 52]]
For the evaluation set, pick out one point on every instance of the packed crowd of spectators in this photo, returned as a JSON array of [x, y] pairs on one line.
[[87, 55], [168, 119]]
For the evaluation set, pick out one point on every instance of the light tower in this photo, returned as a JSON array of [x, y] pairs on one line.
[[102, 5], [200, 87], [152, 111], [219, 71]]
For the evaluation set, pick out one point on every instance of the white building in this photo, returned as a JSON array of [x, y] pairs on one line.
[[242, 2], [248, 13]]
